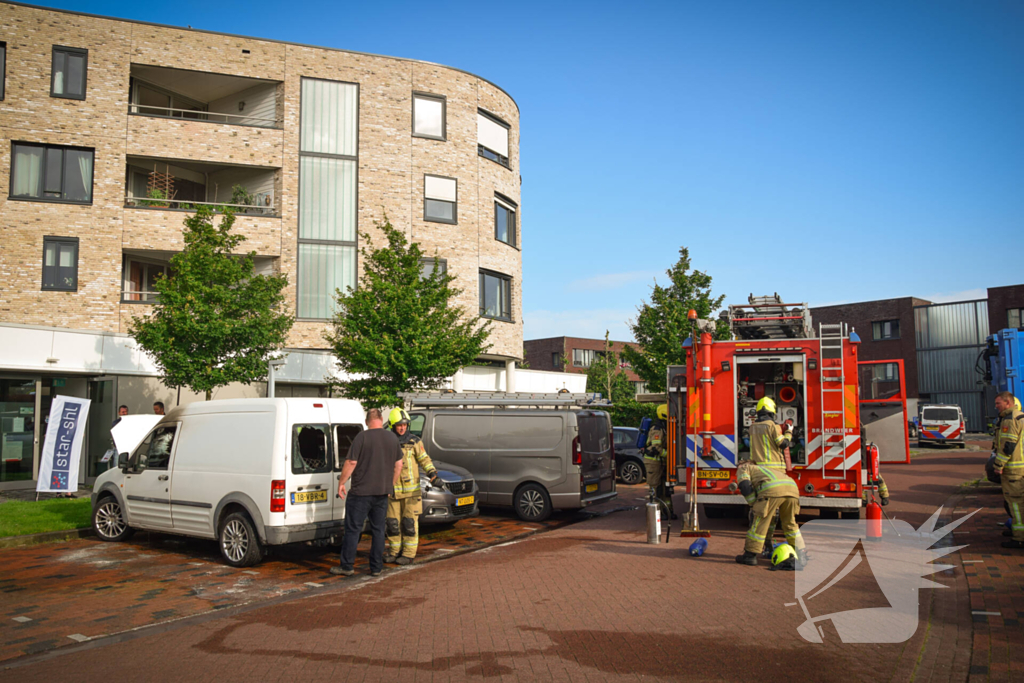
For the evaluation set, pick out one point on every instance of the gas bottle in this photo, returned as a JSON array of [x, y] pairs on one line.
[[874, 521], [698, 547], [653, 523]]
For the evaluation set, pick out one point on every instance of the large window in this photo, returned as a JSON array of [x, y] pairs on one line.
[[428, 266], [492, 137], [3, 69], [68, 74], [60, 264], [155, 452], [583, 358], [440, 199], [328, 158], [505, 219], [140, 280], [51, 173], [311, 449], [495, 295], [1015, 318], [885, 329], [429, 116]]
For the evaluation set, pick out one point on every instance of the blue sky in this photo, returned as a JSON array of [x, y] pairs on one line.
[[829, 151]]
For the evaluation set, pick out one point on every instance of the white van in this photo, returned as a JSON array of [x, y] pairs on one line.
[[247, 472], [942, 424]]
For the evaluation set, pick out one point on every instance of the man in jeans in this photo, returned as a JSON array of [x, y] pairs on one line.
[[375, 463]]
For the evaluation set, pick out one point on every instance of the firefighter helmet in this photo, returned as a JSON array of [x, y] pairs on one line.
[[766, 404], [783, 552], [663, 411], [398, 416], [1016, 403]]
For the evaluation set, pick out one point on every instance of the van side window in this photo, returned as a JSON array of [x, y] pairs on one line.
[[155, 452], [345, 434], [311, 449], [416, 421]]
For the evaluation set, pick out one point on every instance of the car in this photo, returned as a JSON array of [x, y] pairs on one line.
[[941, 424], [457, 500], [629, 460]]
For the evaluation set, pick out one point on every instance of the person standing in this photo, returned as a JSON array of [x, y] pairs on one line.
[[1009, 464], [768, 440], [654, 459], [158, 408], [121, 412], [374, 463], [402, 527], [769, 490]]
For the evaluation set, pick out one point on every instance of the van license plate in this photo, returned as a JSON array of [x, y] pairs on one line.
[[591, 488], [303, 497], [712, 474], [465, 500]]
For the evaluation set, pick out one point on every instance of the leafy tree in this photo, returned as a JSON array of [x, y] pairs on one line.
[[661, 325], [605, 376], [215, 321], [400, 331]]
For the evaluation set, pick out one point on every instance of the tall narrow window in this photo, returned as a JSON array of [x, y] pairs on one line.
[[885, 329], [3, 69], [60, 264], [328, 159], [1015, 318], [492, 137], [51, 173], [68, 72], [495, 296], [504, 219], [440, 199], [428, 116], [140, 280]]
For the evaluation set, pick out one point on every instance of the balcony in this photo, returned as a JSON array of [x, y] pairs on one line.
[[141, 269]]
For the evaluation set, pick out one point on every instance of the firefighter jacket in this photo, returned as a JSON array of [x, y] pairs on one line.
[[655, 449], [766, 443], [414, 456], [1009, 443], [768, 482]]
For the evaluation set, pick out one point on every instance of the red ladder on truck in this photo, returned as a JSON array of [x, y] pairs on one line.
[[833, 401]]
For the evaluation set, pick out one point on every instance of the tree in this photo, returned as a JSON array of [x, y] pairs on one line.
[[400, 330], [215, 321], [661, 325], [606, 376]]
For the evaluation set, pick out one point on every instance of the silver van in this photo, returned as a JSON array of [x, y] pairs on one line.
[[533, 454]]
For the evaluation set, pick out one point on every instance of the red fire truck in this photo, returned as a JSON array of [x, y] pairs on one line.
[[818, 384]]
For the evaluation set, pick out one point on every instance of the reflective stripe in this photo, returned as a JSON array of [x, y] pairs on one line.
[[751, 499]]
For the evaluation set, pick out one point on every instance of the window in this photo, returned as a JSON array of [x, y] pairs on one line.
[[328, 177], [155, 452], [429, 265], [311, 449], [67, 77], [583, 358], [505, 219], [416, 422], [345, 434], [152, 100], [60, 264], [51, 173], [3, 69], [556, 360], [885, 329], [440, 199], [1014, 318], [492, 137], [640, 387], [429, 116], [495, 296], [140, 280]]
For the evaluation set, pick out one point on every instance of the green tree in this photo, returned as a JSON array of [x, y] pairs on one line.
[[400, 331], [605, 376], [215, 321], [661, 325]]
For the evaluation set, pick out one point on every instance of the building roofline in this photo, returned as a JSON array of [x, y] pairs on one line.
[[874, 301], [268, 40]]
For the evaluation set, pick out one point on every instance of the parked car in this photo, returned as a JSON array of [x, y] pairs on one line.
[[942, 424], [535, 460], [457, 500], [249, 473], [629, 460]]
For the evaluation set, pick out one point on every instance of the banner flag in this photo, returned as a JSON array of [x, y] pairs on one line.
[[62, 449]]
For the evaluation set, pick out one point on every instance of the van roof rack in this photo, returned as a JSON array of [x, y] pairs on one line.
[[501, 398]]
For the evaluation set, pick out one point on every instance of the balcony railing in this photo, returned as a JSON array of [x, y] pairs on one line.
[[192, 114], [190, 205], [139, 296]]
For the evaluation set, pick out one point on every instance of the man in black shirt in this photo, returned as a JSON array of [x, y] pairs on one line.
[[374, 463]]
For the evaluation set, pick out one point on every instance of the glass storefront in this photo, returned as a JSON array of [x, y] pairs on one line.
[[102, 412], [17, 429]]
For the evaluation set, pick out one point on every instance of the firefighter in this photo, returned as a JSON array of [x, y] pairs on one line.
[[654, 460], [1009, 463], [402, 527], [769, 490], [769, 440]]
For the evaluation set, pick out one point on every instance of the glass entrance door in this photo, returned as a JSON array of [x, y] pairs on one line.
[[102, 412], [17, 430]]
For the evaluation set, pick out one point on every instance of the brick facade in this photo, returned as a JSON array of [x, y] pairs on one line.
[[1000, 300], [539, 353], [391, 162]]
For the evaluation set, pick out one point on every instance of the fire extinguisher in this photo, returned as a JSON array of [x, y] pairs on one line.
[[874, 510]]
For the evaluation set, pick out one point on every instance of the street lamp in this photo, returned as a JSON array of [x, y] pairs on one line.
[[272, 365]]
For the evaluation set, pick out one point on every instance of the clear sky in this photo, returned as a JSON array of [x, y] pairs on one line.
[[829, 151]]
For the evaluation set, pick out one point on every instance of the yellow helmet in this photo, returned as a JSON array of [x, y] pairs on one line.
[[782, 552], [766, 404], [1016, 403], [663, 411], [398, 416]]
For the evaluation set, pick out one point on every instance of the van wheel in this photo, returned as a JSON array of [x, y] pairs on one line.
[[239, 544], [532, 503], [631, 472], [108, 521]]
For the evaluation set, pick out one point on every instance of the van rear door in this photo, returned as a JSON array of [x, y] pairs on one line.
[[593, 451], [309, 490]]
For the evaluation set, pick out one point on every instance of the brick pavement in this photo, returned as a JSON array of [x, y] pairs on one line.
[[588, 602]]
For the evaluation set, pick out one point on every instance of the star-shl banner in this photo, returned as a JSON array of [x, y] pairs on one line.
[[62, 450]]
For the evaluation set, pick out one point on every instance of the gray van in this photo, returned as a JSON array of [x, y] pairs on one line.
[[530, 453]]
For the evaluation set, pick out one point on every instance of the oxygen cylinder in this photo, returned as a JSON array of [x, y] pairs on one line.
[[641, 437], [698, 547], [653, 523], [874, 521]]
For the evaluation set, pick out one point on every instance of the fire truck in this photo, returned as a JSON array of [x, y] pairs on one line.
[[834, 401]]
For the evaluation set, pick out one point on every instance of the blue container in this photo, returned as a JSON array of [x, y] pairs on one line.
[[641, 437], [1008, 523], [698, 547]]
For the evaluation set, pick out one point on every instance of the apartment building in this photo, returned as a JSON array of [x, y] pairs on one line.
[[574, 355], [114, 130]]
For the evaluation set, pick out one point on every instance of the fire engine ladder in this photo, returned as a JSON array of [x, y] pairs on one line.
[[833, 401], [424, 399]]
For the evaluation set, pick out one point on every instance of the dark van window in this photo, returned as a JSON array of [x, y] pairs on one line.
[[944, 414], [345, 434], [594, 433], [311, 449], [416, 424], [155, 452]]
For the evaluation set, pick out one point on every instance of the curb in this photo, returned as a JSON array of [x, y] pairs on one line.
[[46, 537]]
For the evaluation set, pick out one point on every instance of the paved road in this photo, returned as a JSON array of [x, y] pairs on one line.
[[589, 602]]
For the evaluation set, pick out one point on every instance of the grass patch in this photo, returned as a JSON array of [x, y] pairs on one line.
[[20, 517]]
